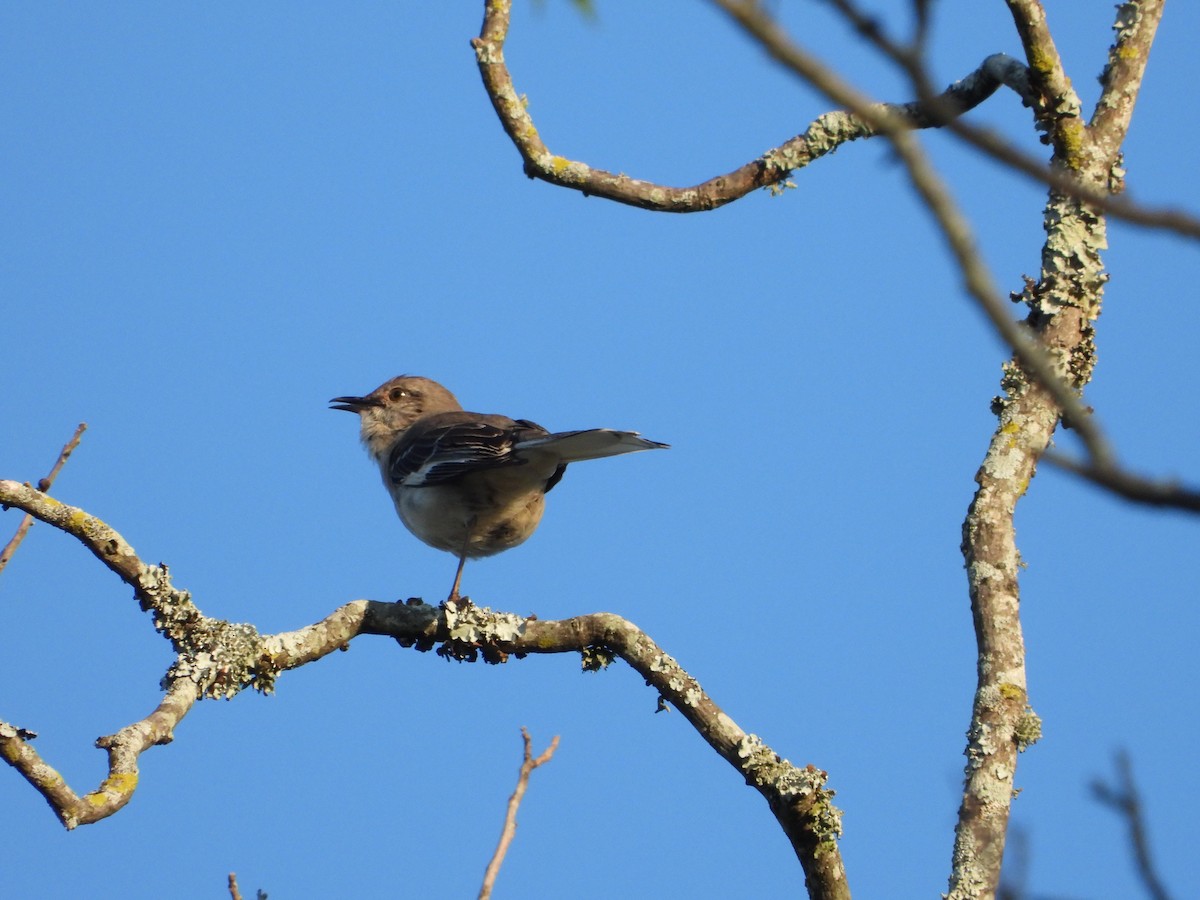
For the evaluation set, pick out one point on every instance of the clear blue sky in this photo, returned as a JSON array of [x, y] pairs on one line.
[[217, 216]]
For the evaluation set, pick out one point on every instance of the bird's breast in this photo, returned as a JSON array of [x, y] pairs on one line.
[[487, 516]]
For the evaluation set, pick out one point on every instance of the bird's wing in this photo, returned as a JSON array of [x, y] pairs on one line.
[[443, 452]]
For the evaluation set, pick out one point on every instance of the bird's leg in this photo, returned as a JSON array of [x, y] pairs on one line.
[[454, 599]]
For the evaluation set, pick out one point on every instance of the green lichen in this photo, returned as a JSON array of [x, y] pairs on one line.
[[1072, 135], [1028, 731], [1010, 691], [122, 784]]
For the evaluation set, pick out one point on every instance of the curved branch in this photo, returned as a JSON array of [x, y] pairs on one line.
[[824, 135], [797, 796], [123, 748]]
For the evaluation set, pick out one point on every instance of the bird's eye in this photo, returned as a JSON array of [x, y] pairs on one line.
[[397, 393]]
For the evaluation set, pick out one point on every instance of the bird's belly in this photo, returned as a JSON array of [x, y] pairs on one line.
[[440, 515]]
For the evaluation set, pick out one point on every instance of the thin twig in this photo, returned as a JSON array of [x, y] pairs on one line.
[[1135, 488], [1124, 799], [44, 486], [234, 893], [510, 817]]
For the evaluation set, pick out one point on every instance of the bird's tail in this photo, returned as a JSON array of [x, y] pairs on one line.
[[574, 446]]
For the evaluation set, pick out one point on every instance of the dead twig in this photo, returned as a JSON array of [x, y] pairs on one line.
[[1124, 799], [44, 486], [510, 817]]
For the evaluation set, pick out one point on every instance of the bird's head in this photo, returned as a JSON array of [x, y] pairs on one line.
[[391, 408]]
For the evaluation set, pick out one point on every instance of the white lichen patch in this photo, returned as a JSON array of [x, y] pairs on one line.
[[480, 624]]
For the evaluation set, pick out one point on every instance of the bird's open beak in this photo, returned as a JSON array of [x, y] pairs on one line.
[[353, 404]]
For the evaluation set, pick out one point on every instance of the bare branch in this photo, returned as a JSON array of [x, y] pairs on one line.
[[508, 832], [797, 796], [954, 227], [1119, 207], [44, 486], [234, 893], [1123, 798]]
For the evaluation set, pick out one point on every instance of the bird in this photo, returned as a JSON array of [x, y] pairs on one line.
[[471, 484]]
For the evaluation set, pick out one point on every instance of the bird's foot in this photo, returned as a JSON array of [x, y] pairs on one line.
[[455, 603]]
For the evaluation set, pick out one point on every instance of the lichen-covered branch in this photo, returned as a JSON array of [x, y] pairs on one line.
[[123, 748], [1063, 304], [1057, 102], [215, 658], [1135, 27], [1054, 350], [824, 135], [797, 796], [1001, 718]]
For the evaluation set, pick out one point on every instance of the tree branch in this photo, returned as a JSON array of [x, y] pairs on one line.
[[824, 135], [864, 119], [1135, 27], [218, 659], [508, 832], [1054, 358], [123, 748], [1057, 100]]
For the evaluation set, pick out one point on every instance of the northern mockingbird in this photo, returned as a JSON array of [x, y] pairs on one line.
[[469, 483]]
